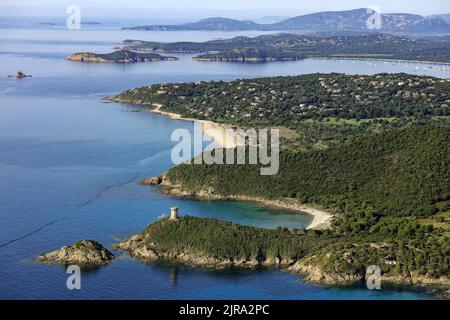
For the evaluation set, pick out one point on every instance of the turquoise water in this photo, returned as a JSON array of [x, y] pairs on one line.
[[69, 163]]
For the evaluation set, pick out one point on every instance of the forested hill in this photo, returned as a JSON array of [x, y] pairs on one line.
[[400, 172], [288, 101], [348, 20], [286, 46], [391, 191]]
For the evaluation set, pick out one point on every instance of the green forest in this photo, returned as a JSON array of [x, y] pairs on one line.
[[390, 190], [288, 101], [285, 46], [398, 172], [319, 109], [374, 150], [424, 253]]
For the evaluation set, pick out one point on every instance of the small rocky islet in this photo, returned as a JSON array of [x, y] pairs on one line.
[[84, 252], [20, 75]]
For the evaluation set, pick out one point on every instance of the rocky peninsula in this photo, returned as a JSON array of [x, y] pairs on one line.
[[319, 256], [84, 252], [162, 240], [314, 254], [121, 56]]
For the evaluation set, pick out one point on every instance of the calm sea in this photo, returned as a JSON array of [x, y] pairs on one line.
[[69, 163]]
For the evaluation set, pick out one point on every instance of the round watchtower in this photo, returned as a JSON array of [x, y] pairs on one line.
[[173, 213]]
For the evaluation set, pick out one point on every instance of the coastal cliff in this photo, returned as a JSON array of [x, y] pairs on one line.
[[121, 56]]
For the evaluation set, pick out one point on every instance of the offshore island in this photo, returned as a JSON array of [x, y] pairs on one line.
[[291, 47], [120, 56]]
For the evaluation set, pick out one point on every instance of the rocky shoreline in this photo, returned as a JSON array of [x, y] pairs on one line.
[[84, 252], [144, 247], [137, 247], [140, 246], [313, 265], [321, 218]]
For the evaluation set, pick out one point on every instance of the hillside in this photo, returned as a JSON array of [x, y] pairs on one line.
[[121, 56], [391, 191], [216, 24], [384, 173], [323, 109], [286, 46], [356, 20], [444, 17], [349, 20], [398, 172], [290, 100], [329, 257]]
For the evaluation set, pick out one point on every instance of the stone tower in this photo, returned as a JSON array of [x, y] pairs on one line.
[[173, 213]]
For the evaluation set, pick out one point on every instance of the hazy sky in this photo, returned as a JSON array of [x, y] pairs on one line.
[[206, 8]]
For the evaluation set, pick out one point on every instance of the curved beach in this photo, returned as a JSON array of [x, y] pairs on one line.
[[217, 133]]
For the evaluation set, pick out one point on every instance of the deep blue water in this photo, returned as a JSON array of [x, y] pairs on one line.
[[69, 163]]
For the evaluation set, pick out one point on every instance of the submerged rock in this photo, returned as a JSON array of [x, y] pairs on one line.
[[86, 252]]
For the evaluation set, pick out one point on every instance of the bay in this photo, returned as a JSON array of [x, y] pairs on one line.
[[69, 165]]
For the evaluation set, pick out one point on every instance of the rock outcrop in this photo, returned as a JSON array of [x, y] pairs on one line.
[[315, 274], [152, 181], [20, 75], [84, 252], [138, 247]]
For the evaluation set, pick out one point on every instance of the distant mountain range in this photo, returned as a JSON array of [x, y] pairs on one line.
[[444, 17], [330, 21], [271, 19]]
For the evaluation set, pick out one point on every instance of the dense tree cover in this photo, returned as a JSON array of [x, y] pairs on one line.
[[134, 56], [399, 172], [384, 181], [251, 55], [226, 239], [382, 185], [426, 253], [287, 101], [120, 56], [280, 45], [324, 109]]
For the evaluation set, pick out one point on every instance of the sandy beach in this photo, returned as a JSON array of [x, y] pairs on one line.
[[215, 131], [321, 218]]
